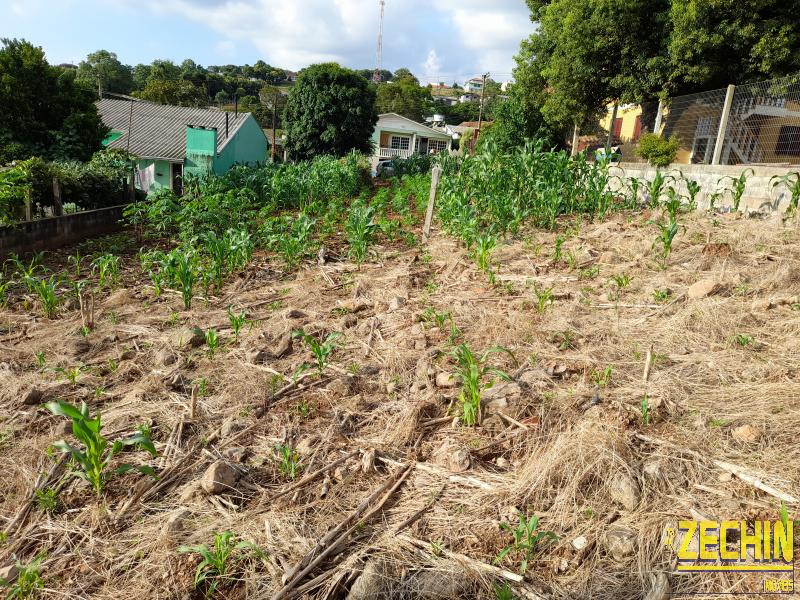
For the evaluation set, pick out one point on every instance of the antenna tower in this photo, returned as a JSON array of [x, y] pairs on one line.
[[376, 76]]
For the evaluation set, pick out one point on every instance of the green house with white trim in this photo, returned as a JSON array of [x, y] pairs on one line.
[[171, 141]]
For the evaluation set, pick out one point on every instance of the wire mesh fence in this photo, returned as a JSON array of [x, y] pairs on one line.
[[762, 126]]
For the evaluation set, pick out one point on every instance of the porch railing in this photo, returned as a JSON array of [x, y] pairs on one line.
[[394, 153]]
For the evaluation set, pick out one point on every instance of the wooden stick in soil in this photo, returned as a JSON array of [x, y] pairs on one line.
[[331, 540], [648, 361]]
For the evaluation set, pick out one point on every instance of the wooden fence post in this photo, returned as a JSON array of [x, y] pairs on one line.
[[426, 230], [28, 213], [58, 206]]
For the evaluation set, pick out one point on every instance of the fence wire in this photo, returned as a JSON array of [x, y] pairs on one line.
[[763, 124]]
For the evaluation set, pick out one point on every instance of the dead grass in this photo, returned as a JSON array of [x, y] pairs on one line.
[[380, 398]]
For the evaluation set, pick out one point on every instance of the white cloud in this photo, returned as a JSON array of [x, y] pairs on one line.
[[451, 38]]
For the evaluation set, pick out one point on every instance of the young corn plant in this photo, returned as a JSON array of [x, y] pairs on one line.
[[666, 235], [182, 271], [737, 187], [527, 537], [484, 245], [359, 227], [293, 244], [28, 580], [473, 373], [217, 564], [5, 285], [237, 322], [93, 461], [692, 188], [46, 291], [107, 267], [320, 350], [544, 298], [792, 182], [645, 410], [212, 341], [656, 187], [289, 464]]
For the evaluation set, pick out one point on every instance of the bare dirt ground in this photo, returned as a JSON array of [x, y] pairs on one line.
[[565, 440]]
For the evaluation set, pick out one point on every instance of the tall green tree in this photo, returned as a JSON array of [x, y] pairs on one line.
[[175, 92], [330, 110], [404, 97], [44, 112], [103, 71]]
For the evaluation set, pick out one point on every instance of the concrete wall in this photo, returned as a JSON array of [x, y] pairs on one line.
[[759, 195], [55, 232]]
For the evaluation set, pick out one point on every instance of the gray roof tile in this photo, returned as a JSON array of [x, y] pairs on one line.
[[159, 131]]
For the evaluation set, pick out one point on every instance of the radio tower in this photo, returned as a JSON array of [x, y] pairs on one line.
[[376, 76]]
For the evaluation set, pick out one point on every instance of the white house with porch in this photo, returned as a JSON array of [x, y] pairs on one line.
[[396, 136]]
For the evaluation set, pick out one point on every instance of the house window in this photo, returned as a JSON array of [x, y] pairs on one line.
[[437, 146], [788, 141], [399, 142]]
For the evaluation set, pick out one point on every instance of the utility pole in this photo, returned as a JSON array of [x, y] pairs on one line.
[[376, 76], [480, 110], [274, 108]]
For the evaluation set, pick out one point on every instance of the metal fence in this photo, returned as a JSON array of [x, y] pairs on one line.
[[752, 124]]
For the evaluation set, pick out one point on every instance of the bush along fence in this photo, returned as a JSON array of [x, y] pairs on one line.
[[34, 188]]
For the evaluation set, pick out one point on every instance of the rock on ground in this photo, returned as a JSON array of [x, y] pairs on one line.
[[703, 288], [219, 478], [620, 542], [660, 588], [625, 491]]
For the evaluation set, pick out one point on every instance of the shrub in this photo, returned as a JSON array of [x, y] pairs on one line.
[[656, 150]]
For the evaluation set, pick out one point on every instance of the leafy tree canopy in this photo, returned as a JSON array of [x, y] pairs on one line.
[[103, 71], [45, 111], [330, 110], [405, 97]]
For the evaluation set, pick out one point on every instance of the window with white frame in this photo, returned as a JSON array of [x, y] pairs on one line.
[[399, 142], [437, 146]]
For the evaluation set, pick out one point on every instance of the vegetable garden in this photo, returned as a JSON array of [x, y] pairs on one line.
[[270, 387]]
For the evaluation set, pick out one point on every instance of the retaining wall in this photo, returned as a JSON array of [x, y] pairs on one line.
[[760, 195], [55, 232]]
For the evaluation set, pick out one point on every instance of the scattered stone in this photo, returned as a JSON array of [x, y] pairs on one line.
[[557, 371], [502, 462], [179, 383], [128, 354], [339, 387], [502, 391], [434, 584], [80, 347], [368, 460], [499, 404], [534, 377], [653, 470], [188, 337], [165, 357], [349, 321], [219, 478], [660, 588], [34, 396], [257, 357], [459, 460], [445, 380], [607, 258], [119, 299], [492, 423], [230, 427], [176, 520], [355, 305], [703, 288], [579, 543], [420, 344], [762, 304], [625, 491], [371, 584], [747, 434], [306, 445], [396, 303], [235, 454], [282, 345], [189, 492], [8, 574], [620, 542]]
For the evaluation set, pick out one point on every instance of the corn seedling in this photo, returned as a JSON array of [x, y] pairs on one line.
[[289, 464], [472, 372], [28, 580], [557, 250], [320, 350], [76, 260], [107, 267], [544, 298], [503, 592], [45, 289], [565, 340], [237, 322], [743, 340], [666, 235], [661, 296], [212, 341], [484, 245], [602, 378], [672, 205], [737, 187], [216, 565], [527, 538], [645, 410], [94, 460], [692, 188], [359, 227], [41, 360], [792, 182], [71, 374], [5, 285], [303, 408], [181, 267], [26, 273]]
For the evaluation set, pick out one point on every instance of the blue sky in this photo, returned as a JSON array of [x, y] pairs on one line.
[[439, 40]]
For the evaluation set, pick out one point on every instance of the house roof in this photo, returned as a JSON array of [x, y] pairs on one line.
[[159, 131], [409, 125]]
